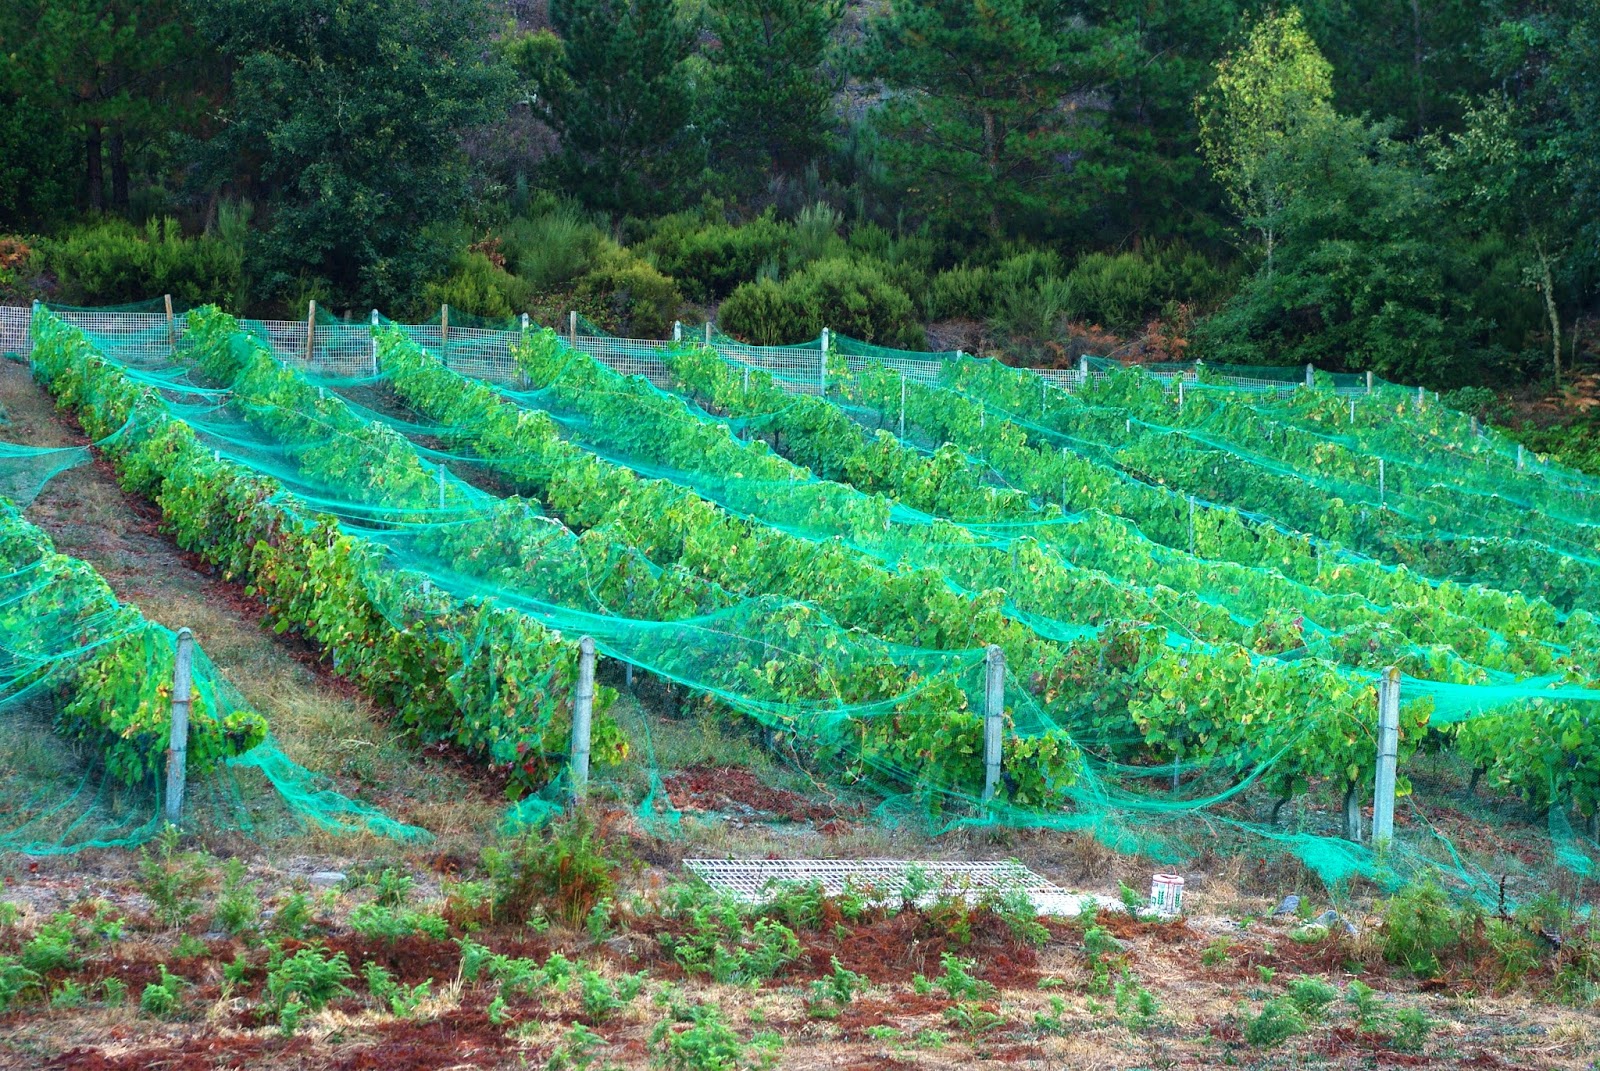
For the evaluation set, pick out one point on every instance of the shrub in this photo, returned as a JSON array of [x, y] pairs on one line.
[[162, 998], [1419, 926], [171, 878], [478, 287], [551, 249], [113, 262], [310, 978], [761, 313], [638, 297], [710, 260], [238, 905], [562, 871], [816, 233], [964, 292], [1279, 1020], [1311, 996]]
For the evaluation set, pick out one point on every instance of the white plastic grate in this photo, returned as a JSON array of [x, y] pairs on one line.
[[756, 880]]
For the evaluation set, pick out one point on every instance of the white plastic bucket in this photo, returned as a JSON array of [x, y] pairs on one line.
[[1166, 894]]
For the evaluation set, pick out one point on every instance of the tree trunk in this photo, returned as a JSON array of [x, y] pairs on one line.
[[119, 169], [1352, 814], [1549, 288], [94, 174]]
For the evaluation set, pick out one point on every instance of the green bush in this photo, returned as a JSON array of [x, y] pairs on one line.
[[964, 293], [1419, 926], [641, 300], [761, 313], [1279, 1020], [710, 260], [114, 262], [561, 872], [479, 287], [1125, 291], [550, 249]]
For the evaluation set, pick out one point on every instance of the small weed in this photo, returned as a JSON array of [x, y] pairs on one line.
[[171, 879], [1278, 1021], [602, 1000], [1266, 973], [1015, 908], [402, 1001], [578, 1050], [307, 981], [840, 986], [293, 918], [1215, 953], [970, 1017], [1419, 926], [161, 999], [1513, 949], [68, 994], [1412, 1028], [393, 888], [1053, 1023], [1132, 898], [564, 871], [189, 947], [51, 947], [598, 921], [707, 1044], [113, 991], [239, 902], [958, 981], [1363, 1001], [1136, 1006], [1311, 996], [929, 1038], [376, 922]]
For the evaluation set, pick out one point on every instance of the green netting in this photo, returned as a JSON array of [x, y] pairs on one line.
[[85, 688], [1174, 665]]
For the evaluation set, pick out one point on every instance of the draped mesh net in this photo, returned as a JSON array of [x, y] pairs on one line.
[[1195, 575]]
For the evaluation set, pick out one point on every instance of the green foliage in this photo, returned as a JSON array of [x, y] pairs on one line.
[[960, 293], [113, 991], [171, 878], [239, 902], [1412, 1027], [401, 1001], [69, 994], [770, 93], [293, 917], [550, 248], [958, 981], [564, 871], [839, 985], [1311, 996], [710, 258], [306, 981], [1420, 926], [707, 1043], [113, 262], [970, 1017], [1363, 1001], [602, 999], [52, 946], [1278, 1020], [379, 923], [624, 108], [634, 294], [162, 999], [1136, 1006], [1216, 951], [479, 287], [338, 122], [850, 296], [16, 980], [970, 131]]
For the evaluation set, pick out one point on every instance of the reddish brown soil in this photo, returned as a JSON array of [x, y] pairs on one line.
[[737, 791]]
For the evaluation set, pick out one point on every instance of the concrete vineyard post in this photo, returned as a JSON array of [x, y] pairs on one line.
[[441, 485], [522, 377], [572, 327], [1180, 394], [311, 327], [1519, 457], [994, 712], [902, 405], [444, 334], [708, 332], [178, 740], [822, 368], [1388, 756], [1369, 382], [172, 325], [677, 330], [1083, 371], [1191, 524], [582, 719], [1383, 491], [1311, 375], [374, 322], [1352, 410]]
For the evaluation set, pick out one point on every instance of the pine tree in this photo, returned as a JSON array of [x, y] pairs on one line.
[[771, 99], [624, 113], [985, 116]]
